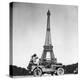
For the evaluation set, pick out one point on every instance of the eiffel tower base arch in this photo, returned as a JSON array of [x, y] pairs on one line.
[[52, 59]]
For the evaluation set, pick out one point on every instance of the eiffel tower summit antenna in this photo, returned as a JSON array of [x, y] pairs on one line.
[[48, 35], [48, 48]]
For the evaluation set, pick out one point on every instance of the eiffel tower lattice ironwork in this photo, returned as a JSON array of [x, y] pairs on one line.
[[48, 48]]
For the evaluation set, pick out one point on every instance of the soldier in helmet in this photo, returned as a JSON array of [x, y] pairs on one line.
[[32, 61]]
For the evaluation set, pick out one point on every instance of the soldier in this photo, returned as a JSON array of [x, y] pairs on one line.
[[32, 61]]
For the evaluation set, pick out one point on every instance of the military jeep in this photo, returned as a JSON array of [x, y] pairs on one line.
[[47, 67]]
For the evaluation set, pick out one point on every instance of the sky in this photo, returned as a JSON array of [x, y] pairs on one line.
[[29, 32]]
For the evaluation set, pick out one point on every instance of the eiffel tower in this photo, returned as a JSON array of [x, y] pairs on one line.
[[48, 48]]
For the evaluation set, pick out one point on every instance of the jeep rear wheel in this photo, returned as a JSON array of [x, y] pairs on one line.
[[37, 72]]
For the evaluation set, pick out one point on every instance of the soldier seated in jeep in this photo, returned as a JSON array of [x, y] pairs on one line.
[[32, 61]]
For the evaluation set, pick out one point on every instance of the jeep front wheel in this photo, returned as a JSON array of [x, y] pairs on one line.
[[60, 71]]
